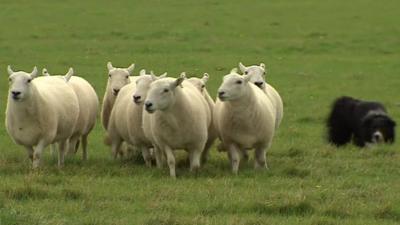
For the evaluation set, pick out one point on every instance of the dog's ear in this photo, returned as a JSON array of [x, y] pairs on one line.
[[391, 122], [366, 121]]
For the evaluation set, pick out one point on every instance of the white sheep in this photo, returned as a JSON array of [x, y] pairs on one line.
[[40, 111], [200, 84], [257, 76], [88, 109], [244, 118], [117, 78], [179, 119], [125, 122]]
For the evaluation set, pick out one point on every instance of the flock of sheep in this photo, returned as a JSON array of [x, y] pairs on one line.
[[153, 114]]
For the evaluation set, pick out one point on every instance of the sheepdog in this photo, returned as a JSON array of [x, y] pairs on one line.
[[365, 122]]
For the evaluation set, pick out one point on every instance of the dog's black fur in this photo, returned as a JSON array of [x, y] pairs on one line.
[[357, 119]]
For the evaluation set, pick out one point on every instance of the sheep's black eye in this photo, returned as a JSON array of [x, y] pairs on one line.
[[166, 90], [264, 73], [29, 80], [109, 75], [203, 86], [9, 79], [246, 72], [239, 82], [127, 77]]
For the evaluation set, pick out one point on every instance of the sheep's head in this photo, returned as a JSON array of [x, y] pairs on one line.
[[161, 94], [118, 77], [143, 84], [199, 83], [256, 74], [20, 83], [233, 86]]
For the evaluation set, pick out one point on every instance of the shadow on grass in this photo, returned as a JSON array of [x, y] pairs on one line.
[[388, 213], [300, 208], [26, 192]]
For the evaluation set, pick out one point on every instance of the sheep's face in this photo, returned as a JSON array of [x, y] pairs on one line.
[[20, 84], [232, 87], [199, 83], [161, 94], [118, 77], [256, 74], [143, 85]]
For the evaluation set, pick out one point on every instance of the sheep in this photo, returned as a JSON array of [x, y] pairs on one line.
[[200, 84], [88, 108], [117, 78], [40, 111], [244, 118], [257, 77], [179, 119], [126, 117]]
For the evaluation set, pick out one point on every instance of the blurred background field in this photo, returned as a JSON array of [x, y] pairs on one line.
[[314, 50]]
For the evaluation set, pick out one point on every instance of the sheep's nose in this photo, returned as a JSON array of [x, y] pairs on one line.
[[148, 105], [115, 91], [221, 94], [136, 98], [259, 83], [15, 93]]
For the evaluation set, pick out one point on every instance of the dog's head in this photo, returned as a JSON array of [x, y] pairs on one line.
[[378, 128]]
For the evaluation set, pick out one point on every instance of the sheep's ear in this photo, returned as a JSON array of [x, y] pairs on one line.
[[34, 72], [242, 67], [183, 75], [45, 72], [152, 72], [246, 78], [234, 70], [109, 66], [262, 65], [153, 77], [205, 78], [177, 82], [9, 70], [131, 68], [142, 72], [69, 74]]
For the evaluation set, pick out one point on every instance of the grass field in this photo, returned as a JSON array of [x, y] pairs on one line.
[[314, 51]]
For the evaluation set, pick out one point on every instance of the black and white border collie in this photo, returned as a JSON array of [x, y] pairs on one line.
[[365, 122]]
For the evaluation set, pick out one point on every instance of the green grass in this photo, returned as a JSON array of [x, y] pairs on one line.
[[314, 51]]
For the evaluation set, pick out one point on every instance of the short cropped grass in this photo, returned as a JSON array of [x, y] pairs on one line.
[[314, 50]]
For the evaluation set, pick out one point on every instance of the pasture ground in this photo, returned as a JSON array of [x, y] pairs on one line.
[[314, 51]]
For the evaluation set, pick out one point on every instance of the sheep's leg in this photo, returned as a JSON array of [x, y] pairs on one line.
[[234, 154], [159, 157], [146, 155], [84, 147], [260, 161], [204, 155], [63, 145], [73, 141], [245, 155], [195, 156], [115, 147], [37, 153], [29, 150], [171, 161], [77, 146]]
